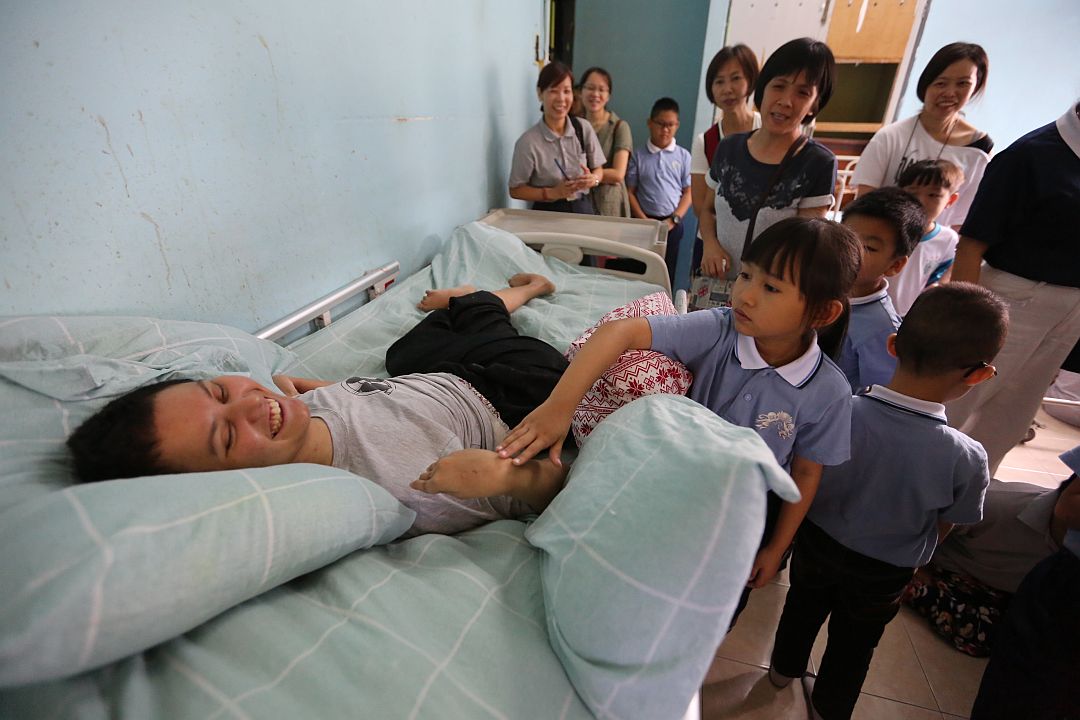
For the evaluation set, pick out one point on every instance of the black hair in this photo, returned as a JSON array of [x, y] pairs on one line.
[[552, 74], [938, 173], [951, 327], [119, 441], [742, 55], [945, 57], [663, 105], [821, 257], [804, 55], [599, 71], [899, 208]]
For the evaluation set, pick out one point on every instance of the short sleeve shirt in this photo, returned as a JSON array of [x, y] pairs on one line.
[[659, 176], [737, 179], [1027, 209], [864, 358], [935, 252], [699, 163], [539, 152], [908, 470], [895, 146], [1072, 536], [801, 409], [390, 430]]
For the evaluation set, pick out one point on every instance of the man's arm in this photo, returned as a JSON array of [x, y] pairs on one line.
[[969, 255], [684, 202]]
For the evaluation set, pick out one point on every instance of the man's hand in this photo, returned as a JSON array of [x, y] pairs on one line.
[[292, 386], [766, 565], [544, 427], [467, 474]]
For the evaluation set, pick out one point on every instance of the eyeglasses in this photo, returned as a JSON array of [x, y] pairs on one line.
[[595, 88], [665, 126], [983, 364]]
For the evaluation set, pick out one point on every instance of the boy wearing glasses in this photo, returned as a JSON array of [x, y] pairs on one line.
[[658, 178], [880, 515]]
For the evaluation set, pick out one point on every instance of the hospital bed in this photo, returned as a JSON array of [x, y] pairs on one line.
[[282, 592]]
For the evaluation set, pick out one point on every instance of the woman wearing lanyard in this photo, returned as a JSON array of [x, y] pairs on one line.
[[955, 74], [557, 161]]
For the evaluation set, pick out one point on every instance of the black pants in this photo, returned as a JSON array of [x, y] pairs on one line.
[[582, 206], [772, 514], [474, 340], [860, 593], [1034, 668]]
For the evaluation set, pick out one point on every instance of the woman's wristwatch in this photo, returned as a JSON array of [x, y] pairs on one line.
[[674, 218]]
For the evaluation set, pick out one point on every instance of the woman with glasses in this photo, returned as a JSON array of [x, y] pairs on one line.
[[558, 161], [609, 197]]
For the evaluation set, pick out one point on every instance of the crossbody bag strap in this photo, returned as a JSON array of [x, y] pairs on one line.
[[760, 202]]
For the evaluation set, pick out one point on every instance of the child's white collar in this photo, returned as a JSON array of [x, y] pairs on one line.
[[655, 149], [796, 373], [872, 297], [922, 407]]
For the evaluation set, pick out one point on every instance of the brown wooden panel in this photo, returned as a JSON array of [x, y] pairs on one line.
[[884, 33]]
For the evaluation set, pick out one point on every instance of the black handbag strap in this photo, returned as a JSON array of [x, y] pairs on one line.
[[760, 201]]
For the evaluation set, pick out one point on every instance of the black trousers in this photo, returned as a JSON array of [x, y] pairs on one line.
[[859, 594], [474, 340], [1034, 668]]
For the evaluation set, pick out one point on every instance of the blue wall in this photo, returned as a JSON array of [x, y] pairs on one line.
[[651, 50], [228, 161], [1034, 60]]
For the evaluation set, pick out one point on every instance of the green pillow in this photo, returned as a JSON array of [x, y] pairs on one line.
[[647, 549], [96, 572], [91, 573]]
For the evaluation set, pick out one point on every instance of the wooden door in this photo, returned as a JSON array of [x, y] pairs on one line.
[[874, 31]]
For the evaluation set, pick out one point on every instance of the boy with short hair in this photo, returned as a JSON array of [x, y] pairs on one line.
[[935, 184], [658, 177], [889, 222], [880, 515]]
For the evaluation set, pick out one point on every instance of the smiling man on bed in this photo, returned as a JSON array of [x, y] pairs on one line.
[[459, 377]]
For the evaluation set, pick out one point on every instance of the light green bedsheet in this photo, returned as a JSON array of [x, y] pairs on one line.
[[457, 627]]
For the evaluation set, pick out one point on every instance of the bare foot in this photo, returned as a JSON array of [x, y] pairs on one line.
[[542, 285], [440, 299]]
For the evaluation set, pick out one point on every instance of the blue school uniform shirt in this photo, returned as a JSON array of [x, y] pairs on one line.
[[802, 408], [1072, 537], [659, 176], [864, 358], [908, 469]]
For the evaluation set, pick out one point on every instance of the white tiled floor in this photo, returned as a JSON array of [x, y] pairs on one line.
[[914, 674]]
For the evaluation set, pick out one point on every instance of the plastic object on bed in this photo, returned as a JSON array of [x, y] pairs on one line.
[[435, 626]]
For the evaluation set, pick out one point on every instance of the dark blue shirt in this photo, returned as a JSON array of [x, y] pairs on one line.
[[1027, 208]]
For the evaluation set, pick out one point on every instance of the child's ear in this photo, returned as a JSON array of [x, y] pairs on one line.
[[829, 313], [952, 199], [890, 345], [979, 376], [896, 266]]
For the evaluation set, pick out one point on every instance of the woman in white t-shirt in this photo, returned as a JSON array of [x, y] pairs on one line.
[[729, 83], [955, 74]]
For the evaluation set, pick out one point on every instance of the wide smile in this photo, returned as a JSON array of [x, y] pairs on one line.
[[276, 415]]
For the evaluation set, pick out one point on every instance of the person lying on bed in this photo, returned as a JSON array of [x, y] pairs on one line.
[[458, 378]]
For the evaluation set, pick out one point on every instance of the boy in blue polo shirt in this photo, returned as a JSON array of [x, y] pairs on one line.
[[889, 222], [880, 515], [658, 178]]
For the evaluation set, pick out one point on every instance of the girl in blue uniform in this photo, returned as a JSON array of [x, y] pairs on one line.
[[756, 364]]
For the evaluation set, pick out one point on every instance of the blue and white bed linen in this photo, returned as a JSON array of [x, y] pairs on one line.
[[630, 576]]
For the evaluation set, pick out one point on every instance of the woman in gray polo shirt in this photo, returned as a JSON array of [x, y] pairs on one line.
[[557, 161]]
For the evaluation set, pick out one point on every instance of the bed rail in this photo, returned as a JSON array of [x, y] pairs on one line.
[[375, 282], [571, 248]]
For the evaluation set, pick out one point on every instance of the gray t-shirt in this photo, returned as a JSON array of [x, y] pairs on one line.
[[390, 430]]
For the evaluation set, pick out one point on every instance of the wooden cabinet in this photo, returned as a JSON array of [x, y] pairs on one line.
[[875, 31]]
